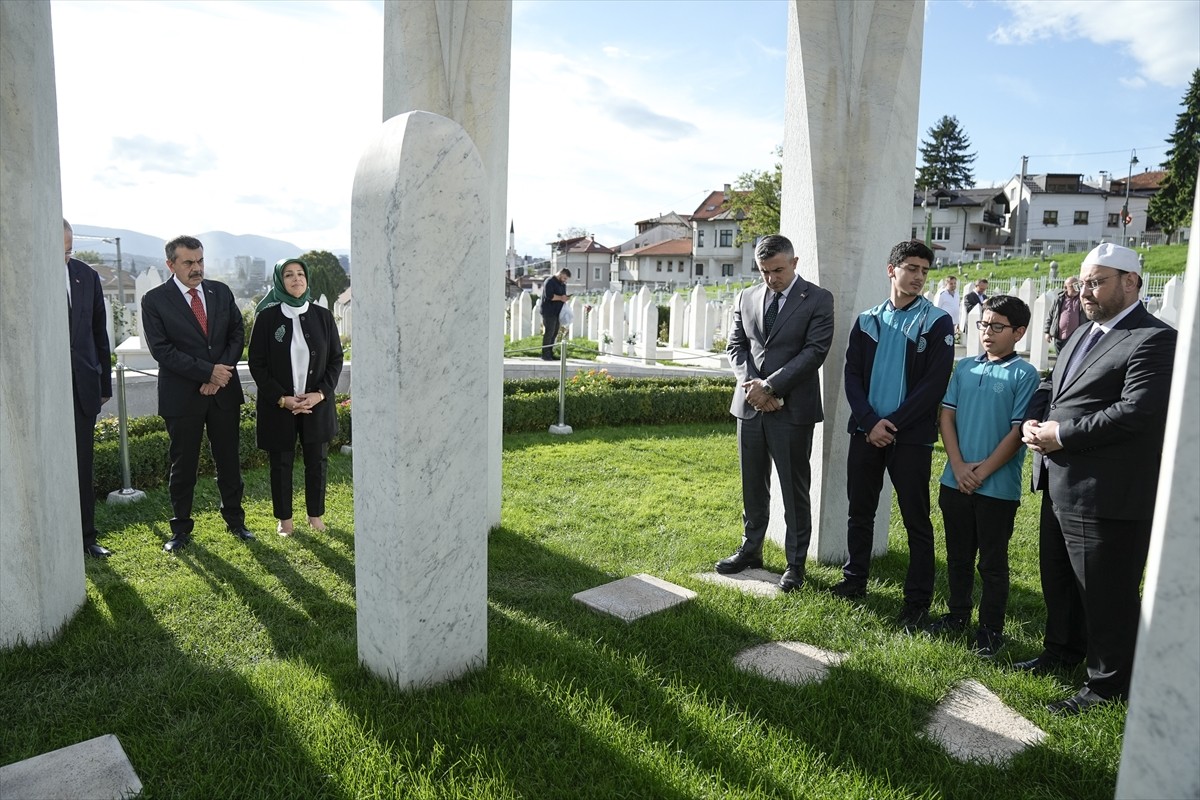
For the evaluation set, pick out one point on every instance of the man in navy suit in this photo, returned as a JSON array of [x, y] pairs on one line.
[[1096, 426], [194, 331], [782, 329], [91, 378]]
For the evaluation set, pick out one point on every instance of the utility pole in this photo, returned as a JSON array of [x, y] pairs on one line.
[[1019, 233], [1125, 217]]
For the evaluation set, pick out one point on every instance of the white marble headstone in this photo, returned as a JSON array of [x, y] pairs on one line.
[[677, 322], [1039, 348]]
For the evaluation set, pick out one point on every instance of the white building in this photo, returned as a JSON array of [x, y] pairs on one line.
[[665, 264], [591, 263], [716, 256]]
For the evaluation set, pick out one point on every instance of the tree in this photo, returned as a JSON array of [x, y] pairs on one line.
[[947, 164], [1171, 208], [325, 275], [89, 257], [755, 197]]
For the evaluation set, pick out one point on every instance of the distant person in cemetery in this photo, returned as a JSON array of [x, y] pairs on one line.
[[194, 331], [982, 413], [1066, 314], [1096, 428], [91, 378], [554, 294], [296, 360], [782, 329], [898, 361], [948, 301], [975, 297]]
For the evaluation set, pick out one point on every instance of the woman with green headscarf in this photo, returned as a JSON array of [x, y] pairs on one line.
[[296, 360]]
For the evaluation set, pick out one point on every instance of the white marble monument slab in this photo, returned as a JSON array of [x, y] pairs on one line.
[[616, 323], [974, 725], [677, 322], [761, 582], [96, 769], [41, 552], [1162, 728], [853, 84], [971, 343], [420, 483], [632, 598], [1039, 348], [795, 663], [647, 343], [698, 328], [133, 351]]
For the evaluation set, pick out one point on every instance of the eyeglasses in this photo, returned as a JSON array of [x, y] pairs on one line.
[[1094, 284], [994, 327]]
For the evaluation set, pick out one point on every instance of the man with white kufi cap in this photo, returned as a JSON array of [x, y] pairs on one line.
[[1096, 429]]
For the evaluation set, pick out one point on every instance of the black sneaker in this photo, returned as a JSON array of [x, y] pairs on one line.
[[988, 642], [848, 589], [948, 625], [913, 618]]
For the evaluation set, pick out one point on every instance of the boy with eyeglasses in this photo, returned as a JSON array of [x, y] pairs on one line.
[[980, 491]]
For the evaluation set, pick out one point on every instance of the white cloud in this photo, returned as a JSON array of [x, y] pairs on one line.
[[1161, 36]]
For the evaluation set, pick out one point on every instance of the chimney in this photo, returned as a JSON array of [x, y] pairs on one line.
[[728, 189]]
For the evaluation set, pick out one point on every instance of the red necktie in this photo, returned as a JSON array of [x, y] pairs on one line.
[[198, 310]]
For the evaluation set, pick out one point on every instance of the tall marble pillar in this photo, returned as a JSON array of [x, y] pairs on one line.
[[420, 477], [1162, 729], [452, 57], [41, 552], [849, 146]]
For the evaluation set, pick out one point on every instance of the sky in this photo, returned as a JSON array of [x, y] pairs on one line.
[[250, 116]]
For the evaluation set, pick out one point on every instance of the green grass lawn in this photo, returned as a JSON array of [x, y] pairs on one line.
[[231, 671]]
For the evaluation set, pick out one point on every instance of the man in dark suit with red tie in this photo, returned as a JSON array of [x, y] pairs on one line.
[[194, 331], [91, 379], [1096, 427], [782, 329]]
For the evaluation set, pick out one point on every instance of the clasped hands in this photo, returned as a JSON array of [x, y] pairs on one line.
[[758, 396], [302, 403], [220, 377], [1041, 437]]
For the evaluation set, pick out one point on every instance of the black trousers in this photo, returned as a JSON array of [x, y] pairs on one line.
[[223, 442], [316, 465], [908, 465], [85, 445], [977, 524], [762, 440], [1091, 573], [549, 334]]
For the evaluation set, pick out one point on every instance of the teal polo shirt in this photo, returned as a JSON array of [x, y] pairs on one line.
[[989, 398]]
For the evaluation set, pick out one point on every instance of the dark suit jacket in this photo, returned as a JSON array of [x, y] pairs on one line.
[[184, 354], [271, 365], [91, 355], [972, 299], [788, 359], [1111, 415]]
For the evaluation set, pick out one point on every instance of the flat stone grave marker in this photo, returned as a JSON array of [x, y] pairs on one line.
[[751, 581], [796, 663], [97, 769], [972, 724], [634, 597]]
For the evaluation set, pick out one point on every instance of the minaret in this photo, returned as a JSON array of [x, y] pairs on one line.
[[511, 258]]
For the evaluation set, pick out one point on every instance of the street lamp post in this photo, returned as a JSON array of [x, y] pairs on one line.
[[1125, 218], [928, 218], [120, 291]]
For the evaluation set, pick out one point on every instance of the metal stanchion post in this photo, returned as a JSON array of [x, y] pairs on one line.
[[126, 494], [562, 427]]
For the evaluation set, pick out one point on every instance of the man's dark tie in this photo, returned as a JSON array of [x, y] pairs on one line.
[[198, 310], [772, 313], [1078, 356]]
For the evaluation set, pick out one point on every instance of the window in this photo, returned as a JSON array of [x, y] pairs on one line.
[[700, 270], [1049, 217], [596, 275], [700, 238], [726, 238], [659, 267], [914, 234], [1114, 220], [670, 266], [1081, 217], [941, 233], [727, 270]]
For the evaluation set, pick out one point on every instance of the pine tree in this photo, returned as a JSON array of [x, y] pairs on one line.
[[1171, 208], [947, 164]]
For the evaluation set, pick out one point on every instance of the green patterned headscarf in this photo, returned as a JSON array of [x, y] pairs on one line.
[[278, 294]]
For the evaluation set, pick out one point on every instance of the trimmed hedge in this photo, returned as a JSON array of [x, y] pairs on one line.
[[594, 400]]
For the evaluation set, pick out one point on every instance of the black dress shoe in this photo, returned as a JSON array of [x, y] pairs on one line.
[[913, 617], [242, 533], [793, 579], [96, 551], [742, 559], [1041, 665], [1076, 705], [177, 542], [848, 589]]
